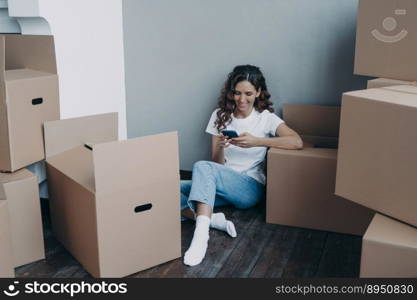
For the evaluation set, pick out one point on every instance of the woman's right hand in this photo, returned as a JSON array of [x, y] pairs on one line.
[[224, 141]]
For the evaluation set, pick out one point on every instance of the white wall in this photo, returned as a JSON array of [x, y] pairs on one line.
[[89, 49]]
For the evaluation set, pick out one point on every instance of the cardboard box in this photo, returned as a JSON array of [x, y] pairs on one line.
[[300, 183], [317, 125], [389, 249], [385, 82], [28, 97], [114, 204], [386, 39], [377, 162], [22, 193], [6, 258]]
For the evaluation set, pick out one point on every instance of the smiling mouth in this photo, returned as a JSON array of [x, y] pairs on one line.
[[389, 38]]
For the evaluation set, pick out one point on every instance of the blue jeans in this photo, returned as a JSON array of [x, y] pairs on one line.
[[217, 185]]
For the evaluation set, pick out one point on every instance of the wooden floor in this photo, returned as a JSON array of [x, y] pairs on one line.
[[260, 251]]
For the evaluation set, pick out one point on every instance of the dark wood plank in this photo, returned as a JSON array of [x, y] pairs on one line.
[[221, 245], [175, 268], [261, 250], [246, 253], [306, 256], [276, 253], [341, 256]]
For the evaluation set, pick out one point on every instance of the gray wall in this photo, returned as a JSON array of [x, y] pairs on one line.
[[178, 54]]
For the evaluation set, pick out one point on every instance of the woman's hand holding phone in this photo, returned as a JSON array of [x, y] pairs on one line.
[[224, 141]]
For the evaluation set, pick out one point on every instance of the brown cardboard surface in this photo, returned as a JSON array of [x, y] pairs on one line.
[[62, 135], [28, 97], [385, 82], [312, 120], [300, 192], [389, 249], [102, 224], [377, 164], [386, 39], [21, 190], [6, 257]]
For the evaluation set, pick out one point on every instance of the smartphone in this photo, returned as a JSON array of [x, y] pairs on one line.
[[230, 133]]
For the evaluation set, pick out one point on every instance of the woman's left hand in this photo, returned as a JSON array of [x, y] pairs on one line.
[[245, 140]]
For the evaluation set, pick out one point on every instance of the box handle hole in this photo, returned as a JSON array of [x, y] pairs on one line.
[[37, 101], [144, 207], [88, 147]]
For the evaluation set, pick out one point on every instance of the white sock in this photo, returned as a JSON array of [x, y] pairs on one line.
[[197, 250], [219, 221]]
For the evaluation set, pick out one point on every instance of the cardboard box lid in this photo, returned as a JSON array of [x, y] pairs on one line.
[[325, 153], [410, 89], [63, 135], [312, 120], [6, 178], [386, 230], [396, 95], [15, 176], [20, 74], [384, 82], [36, 52]]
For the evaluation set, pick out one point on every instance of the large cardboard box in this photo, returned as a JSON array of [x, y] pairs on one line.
[[6, 258], [114, 204], [300, 183], [22, 193], [386, 39], [377, 162], [28, 97], [389, 249], [385, 82]]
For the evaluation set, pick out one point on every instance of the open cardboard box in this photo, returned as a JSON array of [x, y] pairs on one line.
[[28, 97], [300, 183], [389, 249], [114, 204], [377, 161], [6, 257], [22, 194]]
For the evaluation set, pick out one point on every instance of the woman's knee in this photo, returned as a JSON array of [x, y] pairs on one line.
[[202, 166]]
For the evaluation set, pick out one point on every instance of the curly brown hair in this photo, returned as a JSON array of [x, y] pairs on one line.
[[226, 104]]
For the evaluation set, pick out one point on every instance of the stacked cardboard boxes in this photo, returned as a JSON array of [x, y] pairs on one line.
[[114, 204], [377, 162], [300, 186], [106, 202], [28, 97]]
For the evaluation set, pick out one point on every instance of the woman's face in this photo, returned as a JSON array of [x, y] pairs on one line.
[[244, 96]]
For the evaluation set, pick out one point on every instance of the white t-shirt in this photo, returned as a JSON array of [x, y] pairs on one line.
[[249, 161]]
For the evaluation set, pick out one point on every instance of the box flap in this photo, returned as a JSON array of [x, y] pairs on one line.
[[409, 89], [35, 52], [386, 230], [62, 135], [11, 75], [5, 178], [384, 82], [392, 95], [326, 153], [122, 165], [16, 176], [77, 164], [312, 120]]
